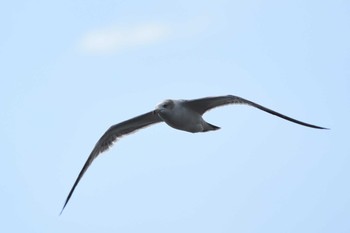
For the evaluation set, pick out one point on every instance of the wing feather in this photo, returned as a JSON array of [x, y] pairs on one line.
[[204, 104], [112, 135]]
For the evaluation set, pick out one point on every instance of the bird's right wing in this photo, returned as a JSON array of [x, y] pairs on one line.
[[112, 135]]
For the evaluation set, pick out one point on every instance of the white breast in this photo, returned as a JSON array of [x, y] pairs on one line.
[[182, 118]]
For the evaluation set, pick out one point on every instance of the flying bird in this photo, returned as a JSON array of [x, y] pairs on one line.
[[183, 115]]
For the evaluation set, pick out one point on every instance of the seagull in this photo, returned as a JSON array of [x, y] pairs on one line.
[[185, 115]]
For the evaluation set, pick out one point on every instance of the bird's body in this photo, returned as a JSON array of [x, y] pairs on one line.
[[185, 115], [175, 114]]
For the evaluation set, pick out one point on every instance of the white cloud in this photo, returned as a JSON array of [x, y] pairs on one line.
[[116, 38], [113, 39]]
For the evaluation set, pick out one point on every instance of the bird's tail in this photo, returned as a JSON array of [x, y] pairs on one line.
[[209, 127]]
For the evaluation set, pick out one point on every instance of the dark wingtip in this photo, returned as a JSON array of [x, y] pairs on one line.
[[64, 206], [73, 188], [61, 212], [85, 167], [317, 127]]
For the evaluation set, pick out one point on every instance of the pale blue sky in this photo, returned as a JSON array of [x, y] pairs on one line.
[[70, 69]]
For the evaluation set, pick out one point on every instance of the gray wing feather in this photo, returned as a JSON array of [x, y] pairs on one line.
[[204, 104], [111, 136]]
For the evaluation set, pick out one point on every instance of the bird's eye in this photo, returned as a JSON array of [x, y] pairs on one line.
[[165, 106]]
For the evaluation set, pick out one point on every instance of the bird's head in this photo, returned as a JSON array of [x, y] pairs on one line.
[[165, 106]]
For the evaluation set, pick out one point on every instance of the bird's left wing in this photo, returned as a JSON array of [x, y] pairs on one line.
[[204, 104], [111, 136]]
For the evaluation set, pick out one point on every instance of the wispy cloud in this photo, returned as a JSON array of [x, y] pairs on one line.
[[116, 38]]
